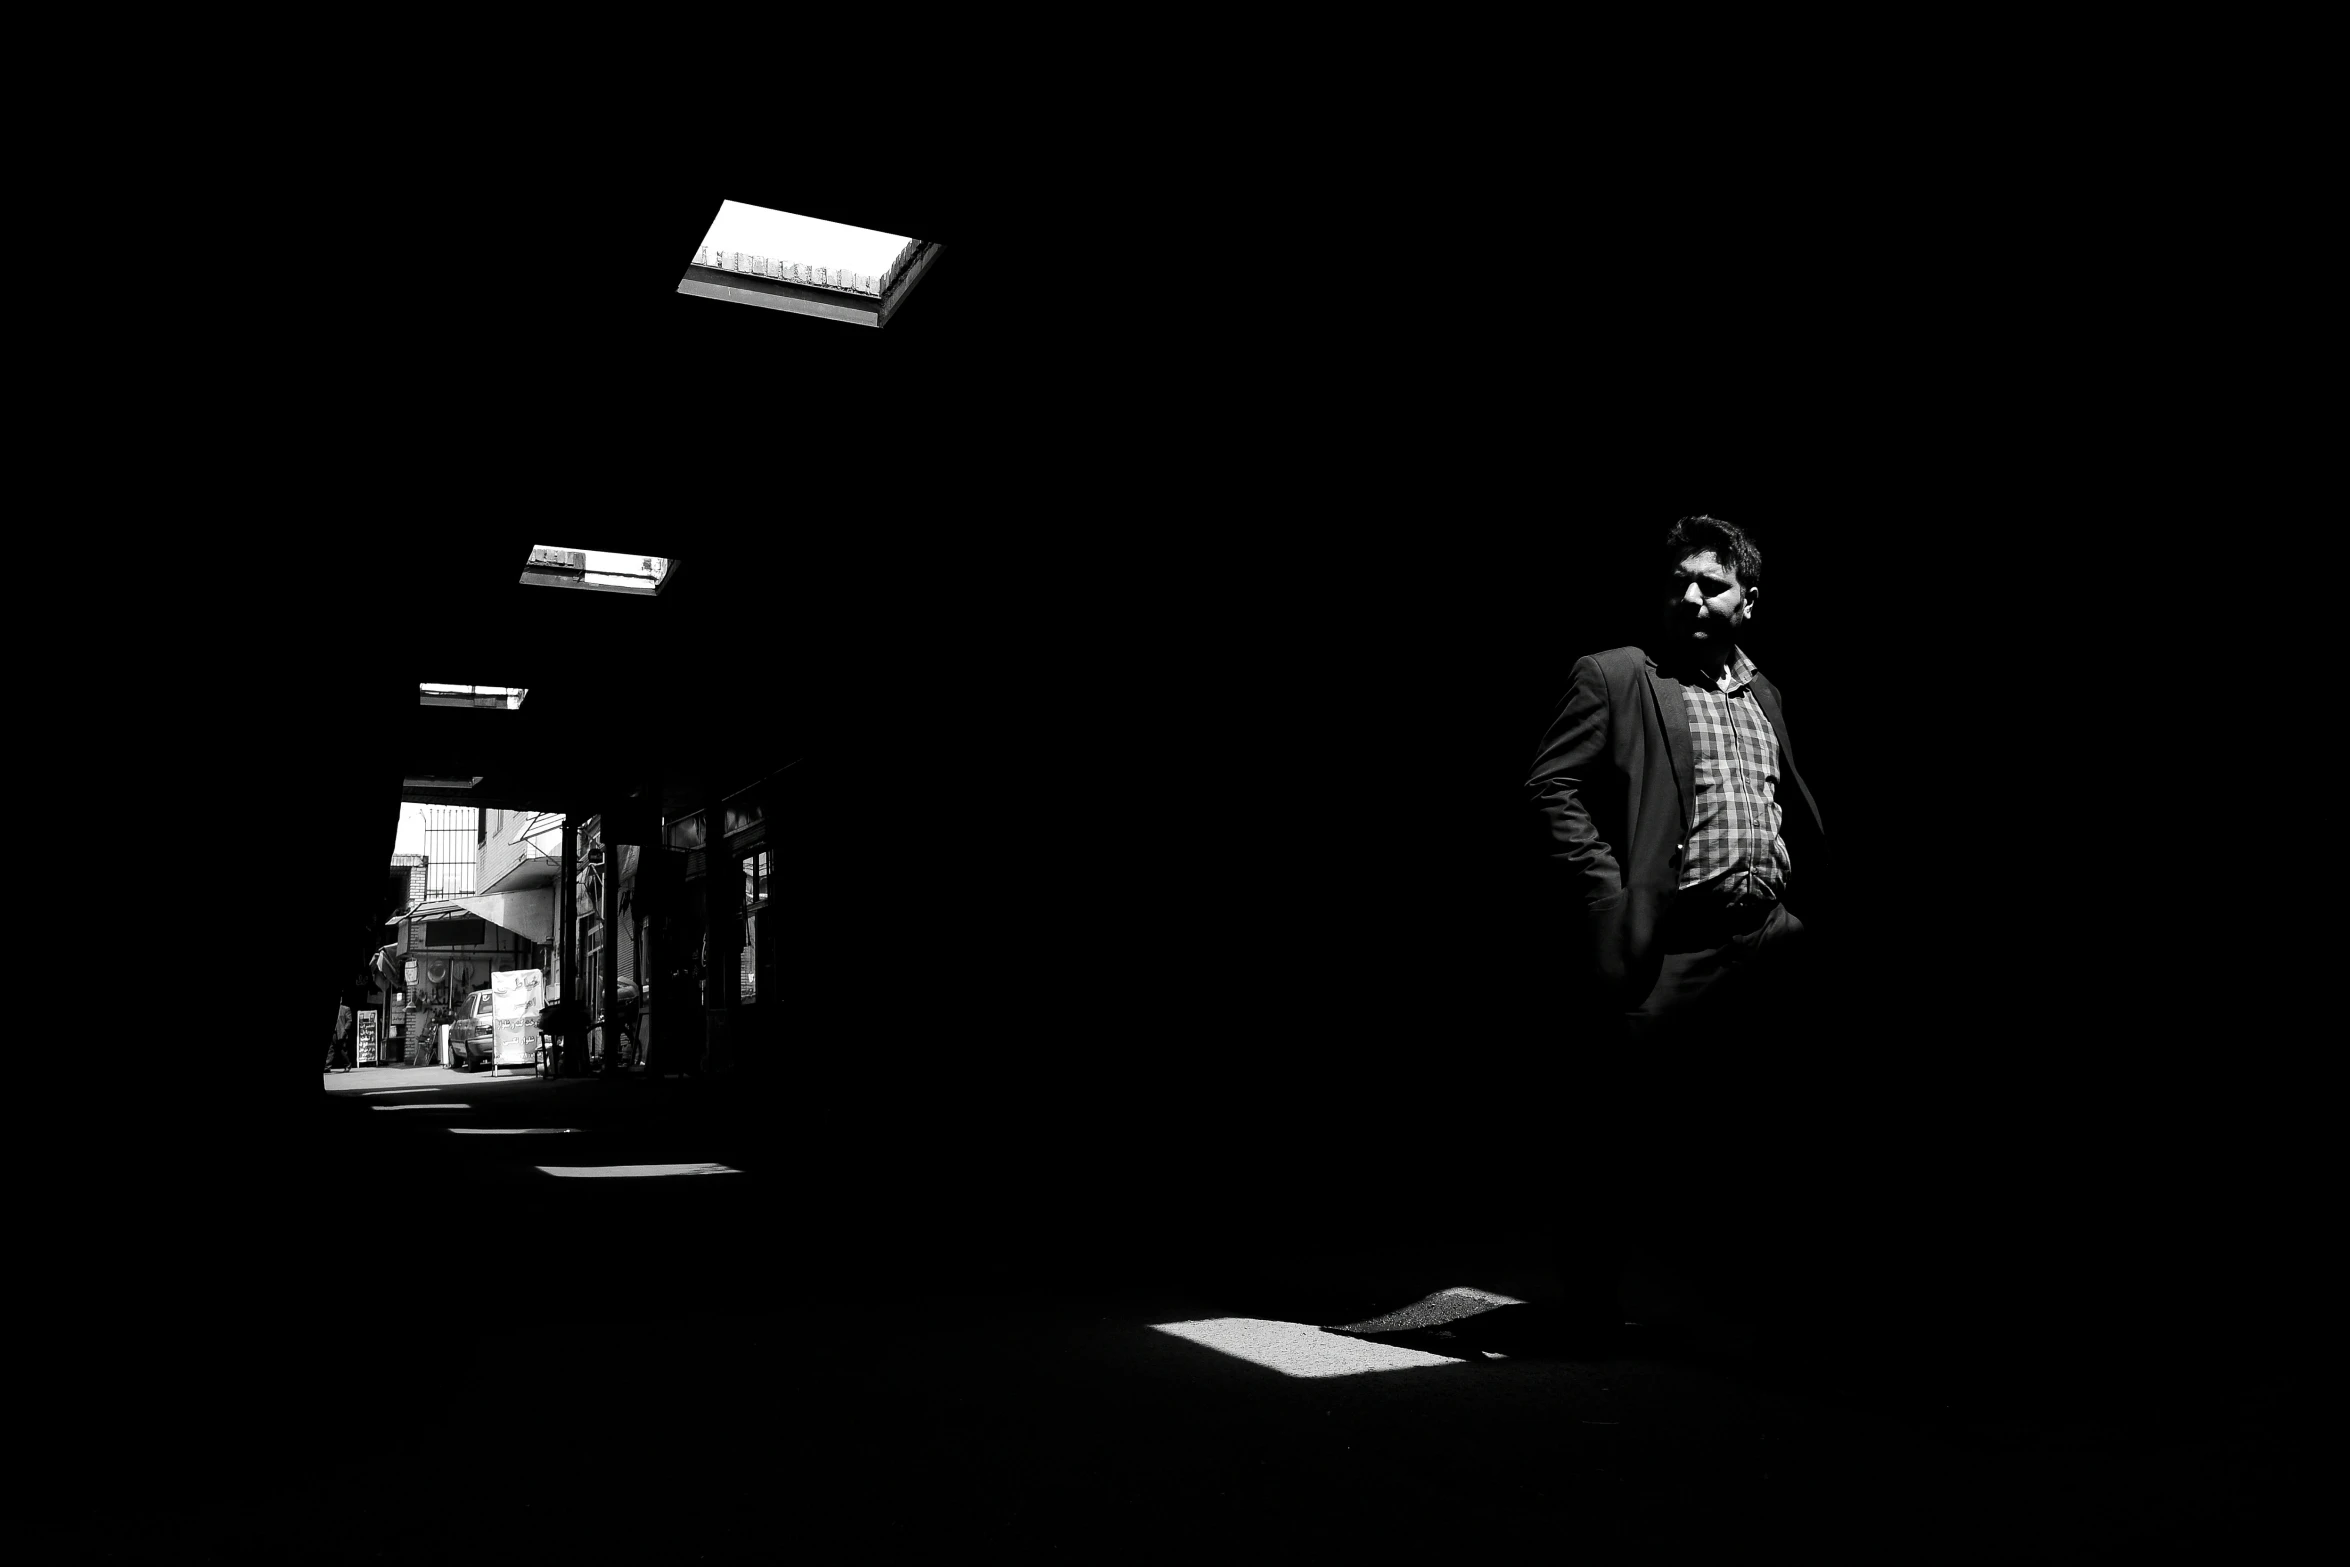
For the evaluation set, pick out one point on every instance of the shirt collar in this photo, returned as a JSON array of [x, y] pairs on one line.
[[1740, 670]]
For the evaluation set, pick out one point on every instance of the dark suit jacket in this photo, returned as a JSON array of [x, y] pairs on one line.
[[1615, 786]]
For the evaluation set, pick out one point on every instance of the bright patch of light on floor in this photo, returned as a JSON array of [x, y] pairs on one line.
[[420, 1107], [638, 1169], [372, 1092], [509, 1131], [1297, 1349]]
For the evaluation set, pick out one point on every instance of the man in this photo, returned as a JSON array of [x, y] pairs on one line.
[[338, 1050], [1677, 830]]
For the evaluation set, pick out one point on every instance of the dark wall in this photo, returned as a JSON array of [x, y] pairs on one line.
[[1189, 856], [1171, 656]]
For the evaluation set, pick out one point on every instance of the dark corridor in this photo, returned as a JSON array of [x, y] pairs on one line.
[[1153, 942]]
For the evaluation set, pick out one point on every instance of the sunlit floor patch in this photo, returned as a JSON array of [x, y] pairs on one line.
[[638, 1169], [1436, 1311], [373, 1092], [420, 1107], [1296, 1349]]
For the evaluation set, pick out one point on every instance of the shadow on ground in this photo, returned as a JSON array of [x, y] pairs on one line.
[[381, 1338]]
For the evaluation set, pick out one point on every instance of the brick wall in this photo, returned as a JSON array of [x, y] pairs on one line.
[[416, 867], [415, 864]]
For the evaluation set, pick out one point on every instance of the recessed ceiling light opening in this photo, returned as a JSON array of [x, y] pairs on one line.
[[433, 694], [603, 571], [809, 266]]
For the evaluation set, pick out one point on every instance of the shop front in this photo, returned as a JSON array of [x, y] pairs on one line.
[[736, 988], [445, 953], [625, 948]]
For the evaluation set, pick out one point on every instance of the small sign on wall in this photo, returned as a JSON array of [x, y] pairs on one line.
[[367, 1042]]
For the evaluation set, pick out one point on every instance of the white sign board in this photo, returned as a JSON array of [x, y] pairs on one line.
[[516, 997], [366, 1025]]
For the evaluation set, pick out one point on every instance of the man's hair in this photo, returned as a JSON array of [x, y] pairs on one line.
[[1732, 545]]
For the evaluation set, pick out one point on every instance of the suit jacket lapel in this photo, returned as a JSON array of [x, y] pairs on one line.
[[1770, 706], [1673, 713]]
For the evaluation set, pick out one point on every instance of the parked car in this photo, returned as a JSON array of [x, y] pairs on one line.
[[472, 1040], [473, 1032]]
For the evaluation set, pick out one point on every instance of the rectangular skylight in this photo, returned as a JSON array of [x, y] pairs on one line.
[[810, 266], [432, 694], [603, 570], [630, 1170]]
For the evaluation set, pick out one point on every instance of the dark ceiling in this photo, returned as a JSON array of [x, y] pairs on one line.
[[1187, 574], [1179, 439], [570, 397], [614, 698]]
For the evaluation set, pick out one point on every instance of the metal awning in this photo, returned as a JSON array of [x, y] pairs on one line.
[[530, 915], [441, 909]]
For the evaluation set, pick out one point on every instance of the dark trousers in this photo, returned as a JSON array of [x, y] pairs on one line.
[[338, 1053], [1679, 1095]]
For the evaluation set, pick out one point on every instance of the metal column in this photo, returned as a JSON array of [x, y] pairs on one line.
[[567, 951], [722, 981], [610, 967]]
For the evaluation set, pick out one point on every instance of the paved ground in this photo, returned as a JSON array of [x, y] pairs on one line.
[[724, 1354]]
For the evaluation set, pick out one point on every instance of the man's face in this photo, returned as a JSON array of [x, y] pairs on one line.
[[1705, 605]]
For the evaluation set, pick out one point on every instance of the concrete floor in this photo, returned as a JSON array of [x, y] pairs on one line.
[[778, 1366]]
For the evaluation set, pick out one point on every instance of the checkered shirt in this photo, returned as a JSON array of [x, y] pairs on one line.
[[1735, 838]]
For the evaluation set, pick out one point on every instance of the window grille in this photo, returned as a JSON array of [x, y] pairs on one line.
[[451, 847]]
